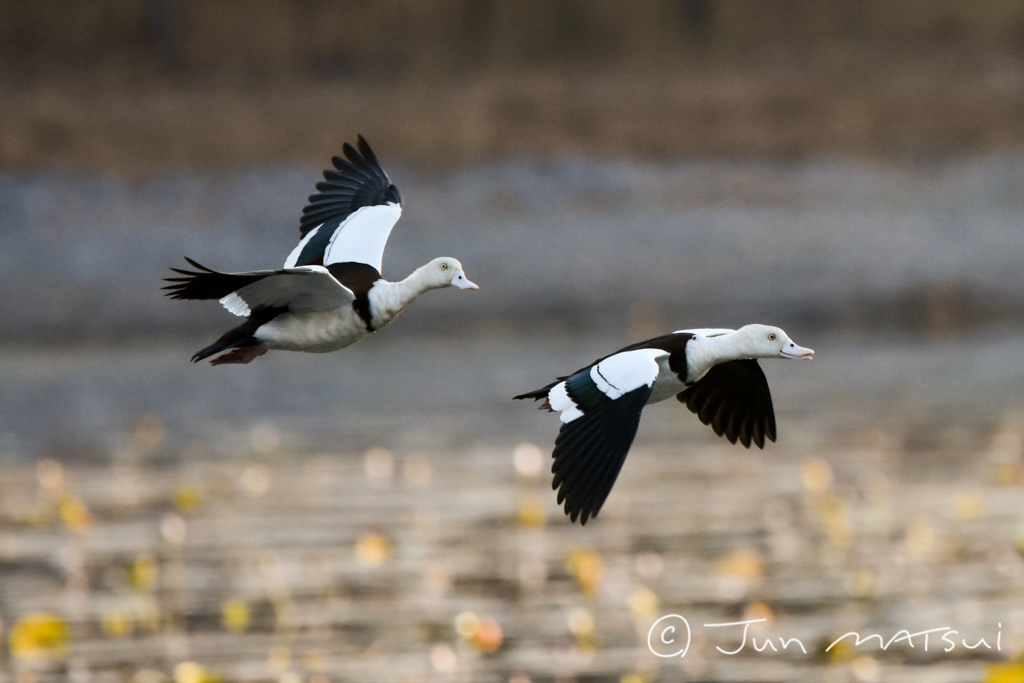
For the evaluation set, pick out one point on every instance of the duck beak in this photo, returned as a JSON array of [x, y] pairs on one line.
[[462, 282], [791, 350]]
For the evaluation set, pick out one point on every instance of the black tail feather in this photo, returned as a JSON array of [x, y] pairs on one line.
[[204, 283], [538, 394], [233, 338]]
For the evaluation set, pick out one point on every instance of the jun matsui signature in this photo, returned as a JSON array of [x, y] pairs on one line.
[[670, 636]]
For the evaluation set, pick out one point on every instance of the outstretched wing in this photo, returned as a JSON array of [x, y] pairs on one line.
[[351, 216], [300, 290], [601, 408], [734, 399]]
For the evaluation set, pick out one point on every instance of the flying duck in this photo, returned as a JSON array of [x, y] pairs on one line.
[[330, 293], [714, 372]]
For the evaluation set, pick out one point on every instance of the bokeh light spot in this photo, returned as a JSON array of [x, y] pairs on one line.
[[528, 460], [39, 636], [373, 549]]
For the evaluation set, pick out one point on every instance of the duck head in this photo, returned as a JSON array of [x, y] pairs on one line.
[[447, 272], [765, 341]]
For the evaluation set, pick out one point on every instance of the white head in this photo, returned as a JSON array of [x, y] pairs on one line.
[[765, 341], [447, 272]]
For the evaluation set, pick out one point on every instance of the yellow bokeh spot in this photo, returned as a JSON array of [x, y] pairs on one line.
[[643, 602], [841, 652], [1005, 672], [531, 511], [1010, 474], [144, 573], [186, 499], [635, 677], [315, 660], [74, 513], [816, 475], [39, 636], [191, 672], [467, 624], [373, 549], [587, 568], [235, 615], [743, 564], [968, 505], [117, 625]]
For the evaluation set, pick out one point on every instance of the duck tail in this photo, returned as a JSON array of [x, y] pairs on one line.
[[535, 395], [235, 338], [540, 394]]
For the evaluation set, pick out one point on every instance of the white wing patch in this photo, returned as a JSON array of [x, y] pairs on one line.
[[558, 399], [236, 304], [362, 236], [624, 372], [294, 256], [614, 377]]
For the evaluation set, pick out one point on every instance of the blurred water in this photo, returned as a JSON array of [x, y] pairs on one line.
[[142, 494], [402, 390], [925, 246], [187, 493]]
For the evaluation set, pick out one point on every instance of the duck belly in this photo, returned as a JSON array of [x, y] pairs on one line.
[[313, 332], [667, 383]]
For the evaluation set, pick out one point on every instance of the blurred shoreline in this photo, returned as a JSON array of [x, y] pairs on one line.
[[135, 87]]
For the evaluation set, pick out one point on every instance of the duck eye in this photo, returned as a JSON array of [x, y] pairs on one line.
[[771, 337], [444, 266]]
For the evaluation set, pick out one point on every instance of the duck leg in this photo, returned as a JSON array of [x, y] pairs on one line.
[[241, 354]]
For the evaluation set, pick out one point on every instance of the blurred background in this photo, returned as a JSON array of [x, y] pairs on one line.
[[850, 171]]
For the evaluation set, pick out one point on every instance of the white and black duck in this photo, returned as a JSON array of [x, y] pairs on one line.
[[714, 372], [330, 293]]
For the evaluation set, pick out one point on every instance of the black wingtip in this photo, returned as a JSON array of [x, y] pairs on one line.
[[364, 149], [351, 154]]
